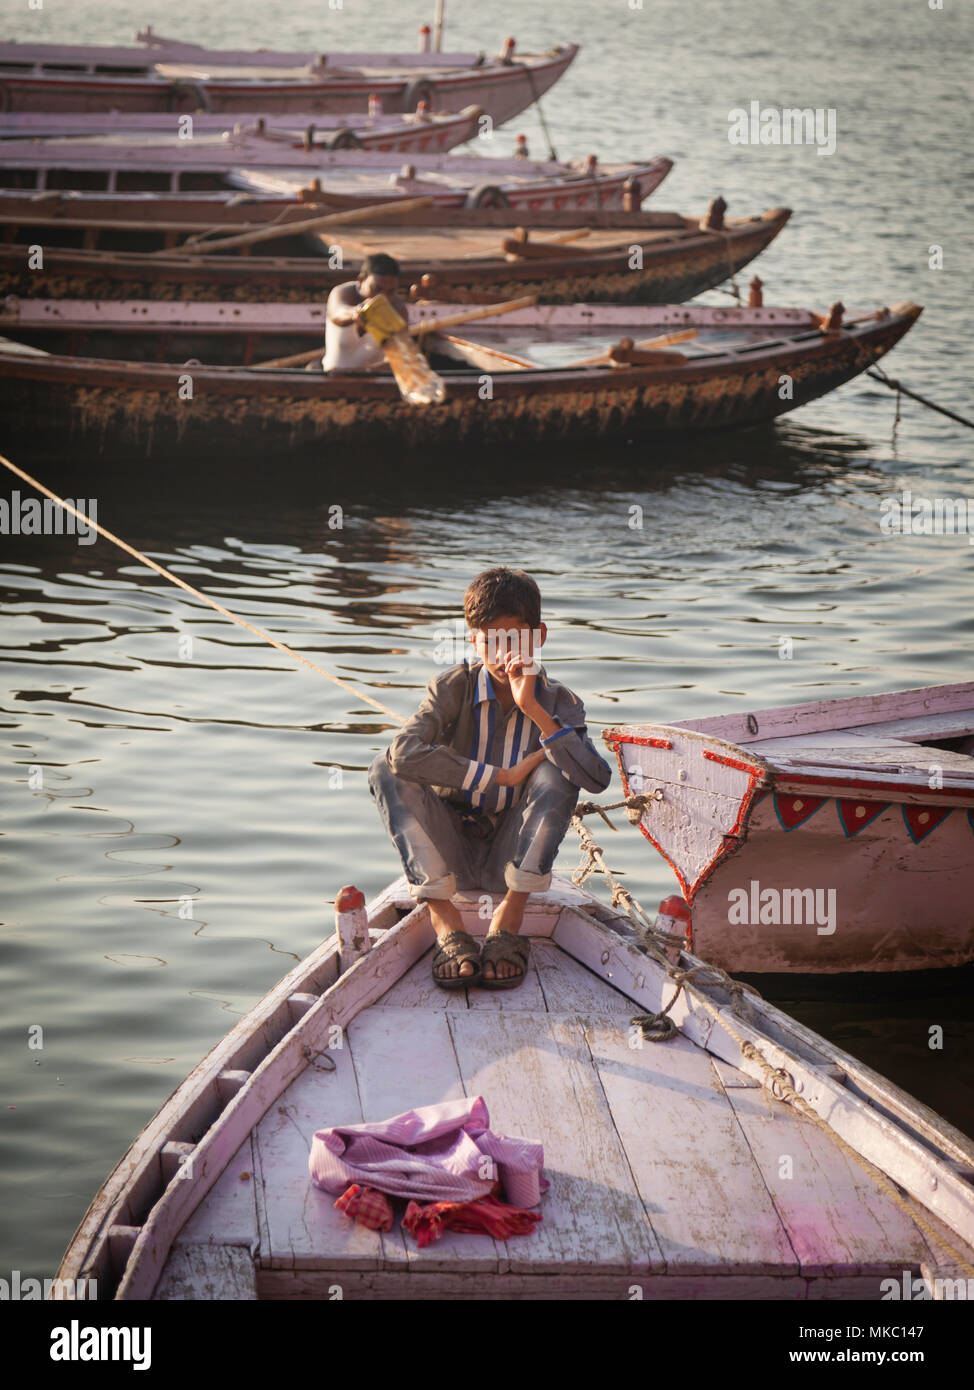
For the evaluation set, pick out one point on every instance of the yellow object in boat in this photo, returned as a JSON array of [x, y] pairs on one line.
[[380, 318]]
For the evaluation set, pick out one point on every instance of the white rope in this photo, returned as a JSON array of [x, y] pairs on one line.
[[218, 607]]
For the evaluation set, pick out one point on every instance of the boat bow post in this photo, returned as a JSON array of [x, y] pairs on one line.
[[352, 925]]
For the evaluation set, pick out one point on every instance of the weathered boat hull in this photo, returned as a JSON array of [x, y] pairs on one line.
[[501, 90], [407, 133], [807, 868], [643, 1143], [669, 269], [192, 407]]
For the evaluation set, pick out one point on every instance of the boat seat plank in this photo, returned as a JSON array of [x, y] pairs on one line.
[[300, 1227], [912, 756], [919, 727], [838, 1218], [227, 1214], [206, 1272], [830, 739], [404, 1059], [535, 1072], [694, 1171]]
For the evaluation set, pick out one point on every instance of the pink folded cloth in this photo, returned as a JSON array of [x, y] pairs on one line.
[[438, 1153]]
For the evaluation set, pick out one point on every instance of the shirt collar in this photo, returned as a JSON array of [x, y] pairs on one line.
[[485, 687]]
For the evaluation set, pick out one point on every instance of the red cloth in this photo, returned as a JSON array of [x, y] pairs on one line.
[[367, 1206], [485, 1215]]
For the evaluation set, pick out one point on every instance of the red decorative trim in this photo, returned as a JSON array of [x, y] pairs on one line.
[[731, 762], [865, 788], [643, 742], [729, 838]]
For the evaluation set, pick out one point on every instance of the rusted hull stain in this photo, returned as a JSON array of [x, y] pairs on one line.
[[549, 406]]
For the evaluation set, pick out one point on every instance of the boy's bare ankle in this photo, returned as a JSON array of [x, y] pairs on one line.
[[509, 913], [445, 916]]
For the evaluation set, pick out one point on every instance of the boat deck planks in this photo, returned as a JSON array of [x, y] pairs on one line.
[[838, 1220], [664, 1162], [300, 1227], [536, 1073], [421, 243], [700, 1186], [404, 1059], [664, 1159], [229, 1217]]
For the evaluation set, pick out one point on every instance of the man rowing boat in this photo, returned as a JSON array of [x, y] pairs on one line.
[[348, 346]]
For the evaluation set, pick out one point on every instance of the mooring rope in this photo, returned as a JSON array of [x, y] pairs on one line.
[[527, 69], [659, 1028], [878, 374], [204, 598]]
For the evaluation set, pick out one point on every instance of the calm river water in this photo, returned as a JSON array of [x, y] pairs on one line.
[[172, 771]]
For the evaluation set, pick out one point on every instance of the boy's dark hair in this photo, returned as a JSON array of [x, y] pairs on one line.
[[499, 592], [379, 264]]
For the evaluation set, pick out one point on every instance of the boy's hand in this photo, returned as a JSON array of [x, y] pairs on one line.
[[521, 682], [522, 688], [514, 776]]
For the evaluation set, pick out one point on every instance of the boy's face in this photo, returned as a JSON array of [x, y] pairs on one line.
[[505, 636]]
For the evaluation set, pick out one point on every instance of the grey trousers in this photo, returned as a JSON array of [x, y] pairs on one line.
[[441, 854]]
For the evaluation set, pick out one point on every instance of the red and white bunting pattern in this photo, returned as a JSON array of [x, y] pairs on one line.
[[856, 814], [921, 820], [795, 810]]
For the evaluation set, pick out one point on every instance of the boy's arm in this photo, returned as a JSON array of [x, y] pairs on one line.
[[570, 748], [418, 751], [343, 306]]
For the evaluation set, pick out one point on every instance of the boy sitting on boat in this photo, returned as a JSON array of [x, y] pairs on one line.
[[348, 345], [478, 787]]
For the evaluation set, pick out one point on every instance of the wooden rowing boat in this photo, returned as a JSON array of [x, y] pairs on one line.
[[618, 257], [417, 132], [538, 374], [863, 807], [666, 1178], [164, 77], [120, 168]]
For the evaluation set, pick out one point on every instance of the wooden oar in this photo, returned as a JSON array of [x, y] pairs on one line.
[[308, 224], [483, 311], [664, 341], [522, 246]]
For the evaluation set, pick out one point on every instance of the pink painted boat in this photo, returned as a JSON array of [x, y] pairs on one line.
[[167, 76], [417, 132], [664, 1161], [128, 165], [819, 838]]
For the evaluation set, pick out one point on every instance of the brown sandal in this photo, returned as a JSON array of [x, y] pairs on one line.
[[504, 946], [458, 946]]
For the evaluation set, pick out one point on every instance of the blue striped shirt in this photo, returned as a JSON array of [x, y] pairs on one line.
[[488, 751]]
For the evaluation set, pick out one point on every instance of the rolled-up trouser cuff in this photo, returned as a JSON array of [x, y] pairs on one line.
[[521, 881], [440, 888]]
